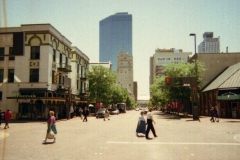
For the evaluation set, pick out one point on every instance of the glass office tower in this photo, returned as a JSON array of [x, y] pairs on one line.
[[115, 36]]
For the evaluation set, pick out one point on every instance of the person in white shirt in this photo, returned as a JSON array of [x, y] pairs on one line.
[[150, 124]]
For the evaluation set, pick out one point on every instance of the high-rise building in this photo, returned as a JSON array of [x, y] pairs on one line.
[[115, 36], [125, 71], [209, 44]]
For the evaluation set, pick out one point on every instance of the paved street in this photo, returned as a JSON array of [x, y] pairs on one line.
[[178, 138]]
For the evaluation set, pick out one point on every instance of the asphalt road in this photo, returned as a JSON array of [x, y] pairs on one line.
[[178, 139]]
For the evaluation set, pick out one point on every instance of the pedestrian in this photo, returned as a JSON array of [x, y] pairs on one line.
[[35, 113], [46, 111], [51, 126], [216, 114], [80, 112], [71, 112], [150, 124], [212, 114], [141, 126], [85, 114], [106, 114], [56, 112], [8, 116], [0, 116]]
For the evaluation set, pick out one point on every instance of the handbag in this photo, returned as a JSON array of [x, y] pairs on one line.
[[51, 135]]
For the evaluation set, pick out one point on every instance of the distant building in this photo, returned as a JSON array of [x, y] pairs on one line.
[[125, 71], [115, 35], [165, 56], [209, 44], [104, 64], [79, 63]]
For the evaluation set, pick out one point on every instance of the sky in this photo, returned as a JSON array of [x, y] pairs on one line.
[[156, 24]]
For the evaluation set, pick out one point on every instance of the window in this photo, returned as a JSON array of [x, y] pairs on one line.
[[10, 75], [11, 53], [66, 61], [34, 75], [0, 95], [35, 52], [54, 55], [1, 75], [60, 60], [2, 50]]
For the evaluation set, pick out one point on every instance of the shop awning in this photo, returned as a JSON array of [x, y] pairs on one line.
[[229, 97]]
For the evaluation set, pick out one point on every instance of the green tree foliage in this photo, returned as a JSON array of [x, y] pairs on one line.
[[162, 94], [101, 81], [103, 87]]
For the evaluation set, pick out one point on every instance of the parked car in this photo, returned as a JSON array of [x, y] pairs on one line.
[[136, 109], [101, 113], [114, 111]]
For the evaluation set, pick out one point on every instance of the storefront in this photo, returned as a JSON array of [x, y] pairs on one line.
[[33, 102], [229, 104]]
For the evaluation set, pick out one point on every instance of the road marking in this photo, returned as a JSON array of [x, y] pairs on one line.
[[3, 135], [176, 143]]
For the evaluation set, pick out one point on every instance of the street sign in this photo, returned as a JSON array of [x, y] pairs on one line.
[[181, 81]]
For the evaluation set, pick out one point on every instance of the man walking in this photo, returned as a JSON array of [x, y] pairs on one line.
[[85, 114], [106, 115], [8, 116], [150, 124]]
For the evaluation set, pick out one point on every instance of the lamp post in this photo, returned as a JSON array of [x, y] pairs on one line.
[[195, 109]]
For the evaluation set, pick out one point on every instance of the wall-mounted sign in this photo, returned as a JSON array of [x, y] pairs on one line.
[[23, 96]]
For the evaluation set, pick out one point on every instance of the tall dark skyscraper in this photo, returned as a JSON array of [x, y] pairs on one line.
[[115, 36]]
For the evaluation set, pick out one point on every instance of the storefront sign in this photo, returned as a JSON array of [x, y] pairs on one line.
[[23, 96]]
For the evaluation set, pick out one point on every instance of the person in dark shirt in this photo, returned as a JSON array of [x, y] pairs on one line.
[[85, 114]]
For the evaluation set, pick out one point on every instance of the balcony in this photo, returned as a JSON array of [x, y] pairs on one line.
[[64, 67], [83, 77]]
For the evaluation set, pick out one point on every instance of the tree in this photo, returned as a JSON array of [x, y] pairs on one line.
[[162, 94], [101, 81], [103, 87]]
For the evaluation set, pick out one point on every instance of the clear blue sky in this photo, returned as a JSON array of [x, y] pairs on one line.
[[156, 24]]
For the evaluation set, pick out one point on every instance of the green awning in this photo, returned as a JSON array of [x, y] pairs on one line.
[[229, 97]]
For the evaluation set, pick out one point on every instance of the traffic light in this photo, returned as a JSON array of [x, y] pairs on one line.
[[190, 98], [167, 81], [194, 90]]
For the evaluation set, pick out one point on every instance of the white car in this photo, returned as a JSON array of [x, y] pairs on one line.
[[114, 111], [136, 109]]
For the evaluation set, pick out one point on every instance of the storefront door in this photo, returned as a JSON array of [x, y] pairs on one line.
[[24, 110]]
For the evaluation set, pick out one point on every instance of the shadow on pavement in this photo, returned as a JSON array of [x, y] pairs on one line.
[[231, 122], [169, 116], [46, 143]]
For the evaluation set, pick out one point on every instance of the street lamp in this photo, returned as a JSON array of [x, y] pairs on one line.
[[195, 105], [193, 34]]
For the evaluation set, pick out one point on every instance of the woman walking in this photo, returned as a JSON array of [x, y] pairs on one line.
[[216, 114], [51, 126], [141, 126]]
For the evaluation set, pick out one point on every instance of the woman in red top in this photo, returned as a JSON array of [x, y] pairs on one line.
[[8, 116], [51, 121]]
